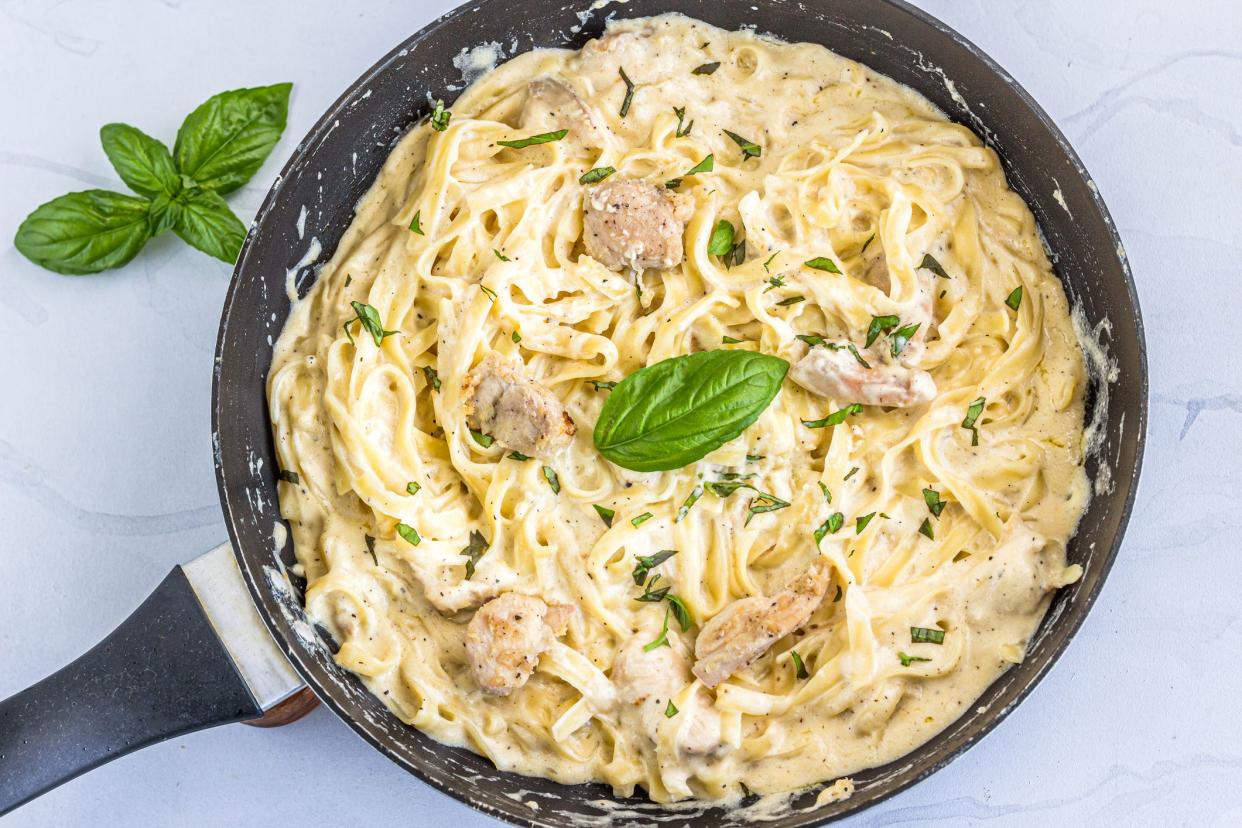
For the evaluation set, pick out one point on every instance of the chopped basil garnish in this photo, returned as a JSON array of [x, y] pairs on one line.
[[517, 455], [850, 474], [774, 282], [934, 504], [440, 117], [1014, 299], [415, 227], [706, 165], [433, 377], [792, 300], [925, 528], [862, 522], [680, 112], [412, 488], [749, 148], [972, 416], [690, 501], [879, 325], [662, 640], [730, 340], [858, 356], [835, 418], [488, 292], [549, 474], [602, 385], [799, 667], [484, 440], [501, 256], [289, 477], [763, 502], [901, 337], [828, 527], [542, 138], [867, 244], [646, 563], [769, 261], [641, 519], [721, 241], [961, 556], [629, 92], [679, 611], [929, 263], [409, 533], [823, 263], [926, 635], [596, 175], [840, 592], [823, 487], [478, 545], [811, 339], [907, 660], [370, 319], [706, 68], [605, 514], [736, 255], [753, 458], [652, 595], [370, 542], [670, 710]]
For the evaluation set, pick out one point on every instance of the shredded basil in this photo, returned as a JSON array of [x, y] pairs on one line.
[[730, 340], [934, 504], [370, 319], [646, 563], [478, 546], [517, 455], [662, 640], [907, 660], [370, 542], [926, 635], [925, 528], [517, 337], [828, 527], [488, 292], [409, 533], [811, 339], [289, 477], [799, 668], [749, 148], [670, 710], [652, 594], [641, 519], [929, 263], [823, 263], [484, 440], [823, 487], [602, 385], [542, 138], [840, 592], [835, 418], [850, 474], [972, 416], [763, 502], [549, 474], [706, 68], [433, 377], [440, 117], [605, 514], [736, 255], [629, 92], [901, 337], [690, 501], [862, 522], [596, 175], [774, 282], [879, 325], [867, 244], [1014, 299], [792, 300], [415, 227], [412, 488], [679, 611], [501, 256], [853, 350], [769, 261], [680, 112], [721, 241]]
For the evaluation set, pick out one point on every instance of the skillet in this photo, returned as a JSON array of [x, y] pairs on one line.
[[223, 638]]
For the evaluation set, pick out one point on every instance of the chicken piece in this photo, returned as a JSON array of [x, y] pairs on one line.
[[506, 637], [449, 597], [837, 373], [645, 684], [744, 630], [517, 412], [632, 223], [552, 104]]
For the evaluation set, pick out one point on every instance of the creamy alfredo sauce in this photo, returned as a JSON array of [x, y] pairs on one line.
[[852, 168]]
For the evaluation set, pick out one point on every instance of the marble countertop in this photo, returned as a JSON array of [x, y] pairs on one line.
[[106, 474]]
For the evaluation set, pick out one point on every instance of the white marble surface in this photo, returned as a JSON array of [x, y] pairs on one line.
[[105, 462]]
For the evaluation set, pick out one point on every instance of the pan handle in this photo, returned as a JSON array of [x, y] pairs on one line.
[[165, 671]]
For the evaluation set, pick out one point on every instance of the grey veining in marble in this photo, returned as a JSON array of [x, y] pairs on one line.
[[105, 458]]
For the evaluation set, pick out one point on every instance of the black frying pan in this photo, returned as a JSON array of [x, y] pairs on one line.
[[180, 663]]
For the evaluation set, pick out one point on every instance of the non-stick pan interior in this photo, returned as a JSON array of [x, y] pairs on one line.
[[312, 203]]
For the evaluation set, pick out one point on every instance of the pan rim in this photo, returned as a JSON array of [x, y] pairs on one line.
[[985, 723]]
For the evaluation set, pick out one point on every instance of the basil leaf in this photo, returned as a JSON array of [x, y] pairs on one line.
[[769, 261], [595, 175], [662, 640], [433, 376], [907, 660], [706, 165], [680, 612], [829, 526], [289, 477], [774, 282], [799, 668], [680, 112], [706, 68], [853, 350], [850, 474], [440, 117], [823, 263], [836, 417], [736, 255], [86, 232], [518, 456], [929, 263], [730, 340], [601, 385], [206, 222], [605, 514], [763, 502], [223, 142], [370, 319], [749, 148], [141, 161], [651, 595], [549, 474], [413, 488], [646, 563], [880, 324], [862, 522], [501, 256], [934, 504], [629, 92], [811, 339], [823, 487], [476, 550], [721, 242], [973, 412], [1014, 299], [409, 533], [925, 528], [674, 412], [926, 635], [867, 244], [901, 337], [370, 542], [792, 300], [641, 519], [484, 440], [670, 710], [542, 138], [684, 510]]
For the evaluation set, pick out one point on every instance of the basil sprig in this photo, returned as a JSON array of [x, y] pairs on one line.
[[674, 412], [219, 147]]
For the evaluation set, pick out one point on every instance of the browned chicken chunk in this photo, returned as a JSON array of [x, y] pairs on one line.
[[552, 104], [837, 374], [506, 637], [745, 629], [631, 223], [517, 412], [647, 681]]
